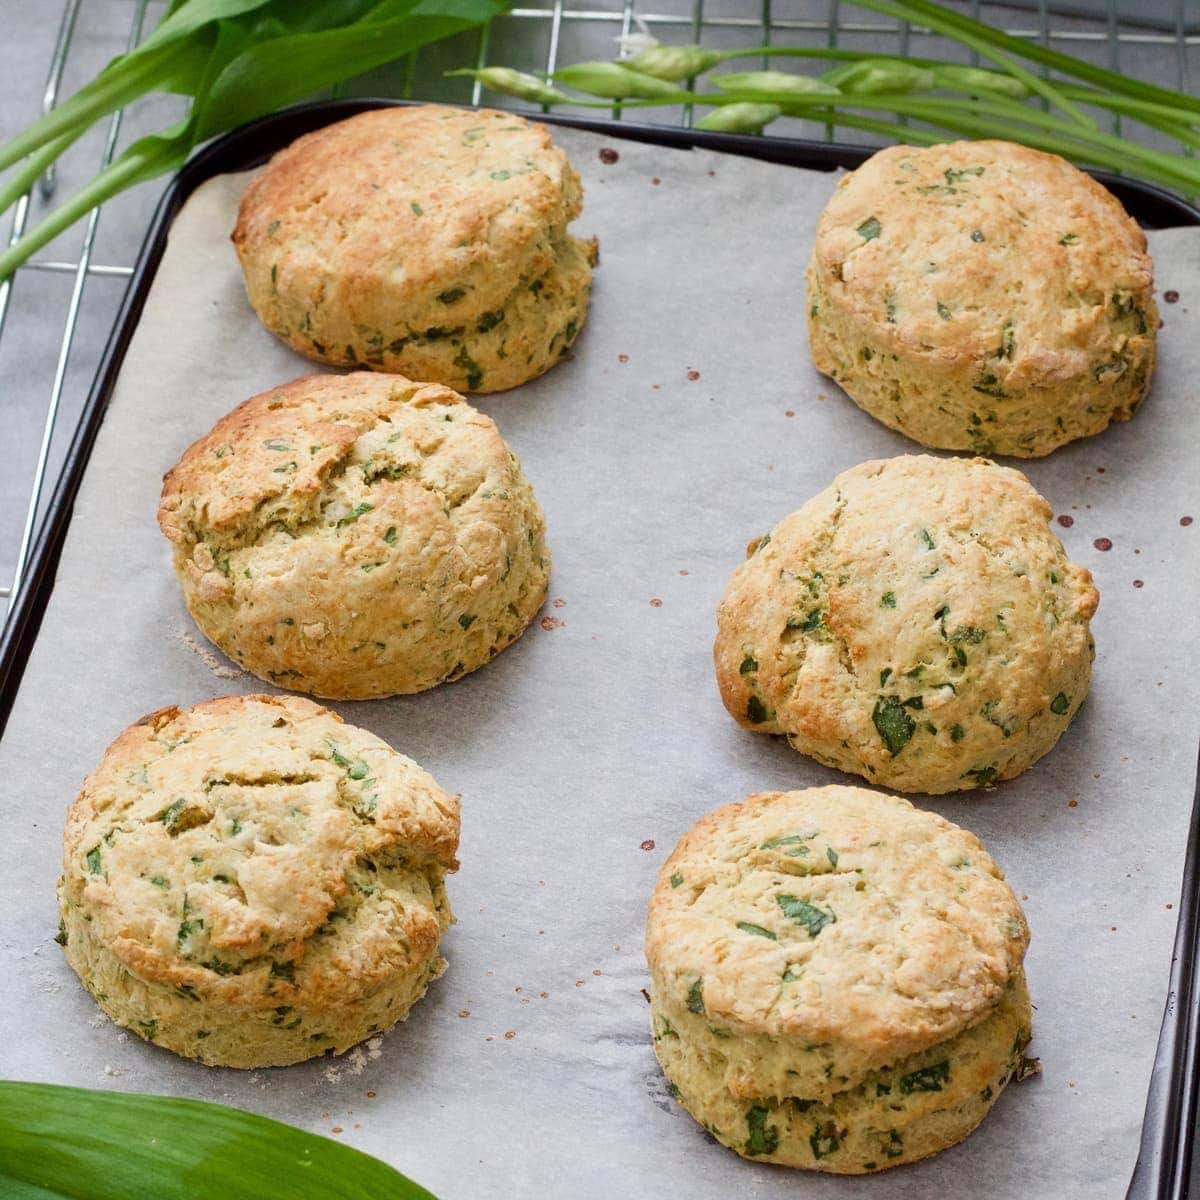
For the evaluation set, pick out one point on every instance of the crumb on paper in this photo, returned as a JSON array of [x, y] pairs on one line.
[[213, 661]]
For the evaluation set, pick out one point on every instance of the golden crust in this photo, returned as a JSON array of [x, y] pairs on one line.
[[828, 933], [915, 623], [424, 240], [907, 1111], [356, 536], [982, 296], [252, 882]]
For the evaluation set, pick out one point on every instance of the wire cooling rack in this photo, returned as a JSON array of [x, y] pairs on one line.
[[1158, 41]]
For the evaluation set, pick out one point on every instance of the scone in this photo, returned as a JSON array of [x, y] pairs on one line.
[[356, 536], [982, 296], [423, 240], [836, 978], [251, 882], [916, 623]]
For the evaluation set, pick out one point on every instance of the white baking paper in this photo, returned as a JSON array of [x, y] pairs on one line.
[[688, 420]]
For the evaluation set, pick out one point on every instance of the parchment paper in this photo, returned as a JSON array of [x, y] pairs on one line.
[[688, 421]]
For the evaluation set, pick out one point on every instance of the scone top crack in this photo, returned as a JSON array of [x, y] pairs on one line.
[[982, 296], [916, 623], [426, 240], [258, 865], [844, 930], [356, 536]]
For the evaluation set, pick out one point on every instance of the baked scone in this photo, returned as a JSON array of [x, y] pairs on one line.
[[251, 882], [356, 536], [982, 296], [836, 978], [916, 623], [424, 240]]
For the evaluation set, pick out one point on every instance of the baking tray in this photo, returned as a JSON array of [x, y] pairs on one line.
[[1164, 1161]]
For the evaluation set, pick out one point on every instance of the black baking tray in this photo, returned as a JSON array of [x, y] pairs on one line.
[[1164, 1162]]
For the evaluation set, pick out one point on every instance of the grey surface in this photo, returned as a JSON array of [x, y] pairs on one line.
[[586, 742]]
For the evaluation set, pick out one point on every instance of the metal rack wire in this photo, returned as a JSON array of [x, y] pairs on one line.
[[1167, 51]]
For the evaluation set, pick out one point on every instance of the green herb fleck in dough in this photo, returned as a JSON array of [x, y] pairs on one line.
[[1060, 704], [791, 839], [761, 1138], [869, 230], [695, 997], [61, 936], [280, 444], [755, 711], [451, 294], [883, 675], [981, 775], [757, 930], [417, 209], [927, 540], [824, 1140], [466, 620], [893, 723], [888, 600], [676, 880], [977, 235], [390, 536], [473, 370], [283, 970], [811, 917], [832, 855], [1068, 239], [93, 860], [927, 1079], [359, 510], [957, 733], [749, 665], [943, 311]]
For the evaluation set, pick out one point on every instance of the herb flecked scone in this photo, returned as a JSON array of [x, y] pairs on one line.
[[356, 536], [423, 240], [982, 296], [836, 978], [915, 623], [251, 882]]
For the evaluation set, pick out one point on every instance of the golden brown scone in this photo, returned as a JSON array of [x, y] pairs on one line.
[[982, 296], [251, 882], [837, 978], [424, 240], [356, 536], [915, 623]]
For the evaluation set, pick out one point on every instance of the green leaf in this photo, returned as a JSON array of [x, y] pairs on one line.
[[926, 1079], [282, 70], [761, 1138], [813, 919], [695, 997], [893, 723], [757, 930], [870, 229], [60, 1142]]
